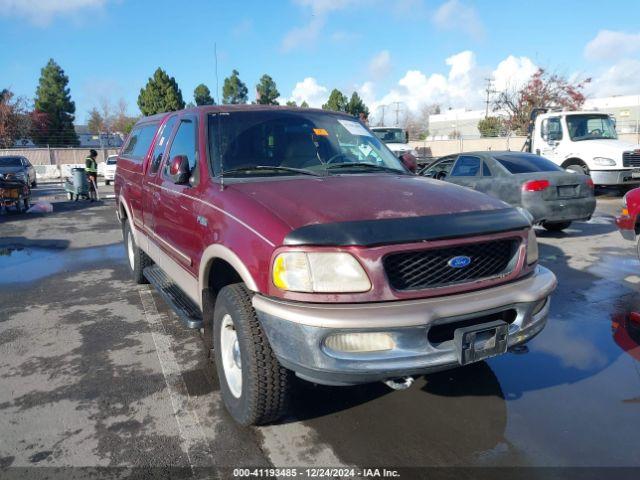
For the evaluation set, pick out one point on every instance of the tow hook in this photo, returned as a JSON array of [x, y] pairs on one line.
[[401, 383]]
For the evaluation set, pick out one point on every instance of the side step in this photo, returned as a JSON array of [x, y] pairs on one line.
[[179, 301]]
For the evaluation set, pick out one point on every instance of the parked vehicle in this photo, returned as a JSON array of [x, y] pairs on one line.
[[585, 142], [396, 139], [14, 192], [110, 169], [20, 167], [551, 195], [300, 244], [629, 219]]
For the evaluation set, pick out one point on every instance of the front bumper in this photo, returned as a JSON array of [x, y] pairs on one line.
[[613, 177], [561, 210], [297, 331]]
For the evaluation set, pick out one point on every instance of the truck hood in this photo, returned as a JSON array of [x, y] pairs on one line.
[[343, 198], [606, 148], [399, 147]]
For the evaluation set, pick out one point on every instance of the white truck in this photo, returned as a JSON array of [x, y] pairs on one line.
[[585, 142], [396, 139]]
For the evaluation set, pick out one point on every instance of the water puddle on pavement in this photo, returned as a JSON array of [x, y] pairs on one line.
[[20, 264]]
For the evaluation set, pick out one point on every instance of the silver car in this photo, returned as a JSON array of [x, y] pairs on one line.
[[553, 196], [19, 167]]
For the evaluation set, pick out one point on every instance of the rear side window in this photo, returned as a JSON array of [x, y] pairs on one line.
[[466, 166], [139, 142], [526, 163], [161, 143]]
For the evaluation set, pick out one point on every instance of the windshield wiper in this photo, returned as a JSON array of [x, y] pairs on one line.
[[276, 169], [362, 165]]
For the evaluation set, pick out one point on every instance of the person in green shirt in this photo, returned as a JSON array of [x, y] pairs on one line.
[[91, 169]]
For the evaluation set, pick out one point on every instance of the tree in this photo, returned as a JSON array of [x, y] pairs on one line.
[[491, 127], [160, 94], [266, 91], [337, 101], [53, 101], [234, 90], [292, 103], [304, 104], [356, 106], [96, 122], [122, 122], [202, 95], [14, 120], [543, 90]]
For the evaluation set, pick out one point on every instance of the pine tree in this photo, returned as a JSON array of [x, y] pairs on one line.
[[96, 122], [267, 93], [356, 106], [234, 90], [304, 104], [337, 102], [160, 94], [202, 95], [54, 105]]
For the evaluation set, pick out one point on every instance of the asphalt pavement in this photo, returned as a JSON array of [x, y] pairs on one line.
[[96, 372]]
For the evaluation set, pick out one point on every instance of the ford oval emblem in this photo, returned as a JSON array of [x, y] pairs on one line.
[[459, 262]]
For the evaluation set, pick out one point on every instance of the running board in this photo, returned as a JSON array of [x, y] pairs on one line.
[[182, 305]]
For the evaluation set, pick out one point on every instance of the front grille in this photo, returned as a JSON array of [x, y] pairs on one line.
[[430, 268], [631, 159]]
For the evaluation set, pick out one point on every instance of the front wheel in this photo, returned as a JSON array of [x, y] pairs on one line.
[[255, 387], [137, 259], [555, 226], [577, 168]]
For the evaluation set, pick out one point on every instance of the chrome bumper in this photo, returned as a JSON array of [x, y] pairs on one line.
[[297, 331], [613, 177]]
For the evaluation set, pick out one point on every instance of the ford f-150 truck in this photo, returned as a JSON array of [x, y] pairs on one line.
[[299, 244]]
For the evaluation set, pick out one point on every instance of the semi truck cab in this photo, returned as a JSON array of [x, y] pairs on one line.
[[587, 142]]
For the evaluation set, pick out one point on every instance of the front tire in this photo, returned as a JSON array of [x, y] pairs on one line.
[[136, 258], [255, 387], [555, 226], [577, 168]]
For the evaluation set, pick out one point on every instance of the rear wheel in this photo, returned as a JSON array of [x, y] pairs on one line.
[[555, 226], [137, 259], [255, 387]]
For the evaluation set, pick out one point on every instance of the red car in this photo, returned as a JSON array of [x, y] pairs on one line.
[[629, 220], [301, 244]]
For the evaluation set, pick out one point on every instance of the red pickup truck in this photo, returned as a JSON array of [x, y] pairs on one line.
[[629, 219], [300, 244]]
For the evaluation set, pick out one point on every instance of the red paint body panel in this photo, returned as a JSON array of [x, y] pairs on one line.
[[628, 221], [252, 217]]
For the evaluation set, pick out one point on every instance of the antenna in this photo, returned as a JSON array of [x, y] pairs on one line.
[[215, 54]]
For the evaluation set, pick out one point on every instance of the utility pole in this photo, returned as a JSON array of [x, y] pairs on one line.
[[397, 104], [381, 121], [489, 90]]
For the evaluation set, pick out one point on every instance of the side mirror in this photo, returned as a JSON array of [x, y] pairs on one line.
[[410, 162], [179, 170]]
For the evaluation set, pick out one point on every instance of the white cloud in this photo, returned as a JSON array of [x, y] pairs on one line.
[[453, 14], [310, 91], [611, 45], [319, 11], [42, 12], [513, 72], [622, 78], [380, 64]]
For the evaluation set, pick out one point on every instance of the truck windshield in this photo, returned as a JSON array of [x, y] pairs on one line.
[[591, 127], [391, 135], [284, 142]]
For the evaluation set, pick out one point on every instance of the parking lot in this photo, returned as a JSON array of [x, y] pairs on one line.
[[95, 371]]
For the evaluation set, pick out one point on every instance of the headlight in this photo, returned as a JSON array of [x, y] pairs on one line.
[[526, 214], [604, 162], [320, 272], [532, 247]]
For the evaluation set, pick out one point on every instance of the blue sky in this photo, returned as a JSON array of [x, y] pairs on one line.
[[414, 51]]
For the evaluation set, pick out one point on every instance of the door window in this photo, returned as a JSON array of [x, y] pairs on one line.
[[552, 129], [466, 166], [486, 171], [161, 143], [184, 143], [441, 168]]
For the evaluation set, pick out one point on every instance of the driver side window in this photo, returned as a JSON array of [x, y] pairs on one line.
[[184, 143], [552, 129], [441, 168]]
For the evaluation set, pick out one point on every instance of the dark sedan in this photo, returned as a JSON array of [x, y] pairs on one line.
[[553, 196], [19, 167]]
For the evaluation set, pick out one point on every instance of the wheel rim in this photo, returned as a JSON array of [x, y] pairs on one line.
[[130, 251], [231, 358]]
